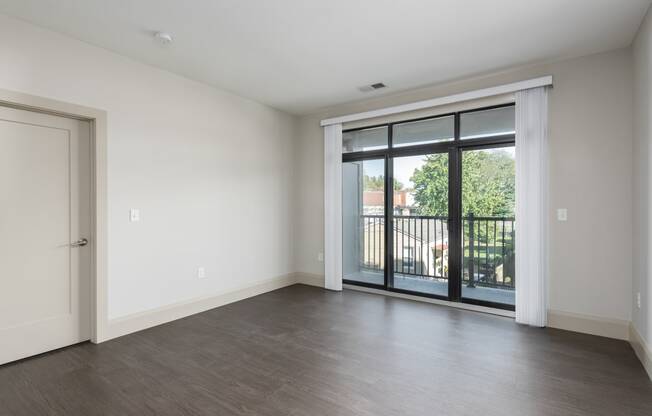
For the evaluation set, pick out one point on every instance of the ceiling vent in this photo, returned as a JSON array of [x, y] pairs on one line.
[[372, 87]]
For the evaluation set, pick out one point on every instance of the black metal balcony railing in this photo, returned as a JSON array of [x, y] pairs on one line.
[[489, 248], [421, 248]]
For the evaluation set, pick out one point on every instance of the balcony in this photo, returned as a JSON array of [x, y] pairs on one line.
[[420, 247]]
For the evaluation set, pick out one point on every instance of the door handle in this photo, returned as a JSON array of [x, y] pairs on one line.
[[79, 243]]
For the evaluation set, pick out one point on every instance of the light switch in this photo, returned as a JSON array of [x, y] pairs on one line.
[[562, 214], [134, 215]]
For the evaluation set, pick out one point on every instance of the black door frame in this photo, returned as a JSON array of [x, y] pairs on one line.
[[454, 148]]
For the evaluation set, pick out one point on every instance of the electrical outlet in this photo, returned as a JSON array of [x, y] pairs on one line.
[[320, 256], [201, 273], [638, 299]]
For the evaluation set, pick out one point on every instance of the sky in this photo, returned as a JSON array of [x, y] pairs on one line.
[[403, 168]]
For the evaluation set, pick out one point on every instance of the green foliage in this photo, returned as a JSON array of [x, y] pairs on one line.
[[488, 184], [431, 185], [488, 190], [377, 183]]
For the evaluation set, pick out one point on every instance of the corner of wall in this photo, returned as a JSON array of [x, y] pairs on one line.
[[641, 328], [641, 348], [310, 279], [295, 190]]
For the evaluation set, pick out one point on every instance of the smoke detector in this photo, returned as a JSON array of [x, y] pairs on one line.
[[163, 37], [372, 87]]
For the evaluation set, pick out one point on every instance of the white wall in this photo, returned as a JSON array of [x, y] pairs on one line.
[[211, 172], [591, 154], [642, 318]]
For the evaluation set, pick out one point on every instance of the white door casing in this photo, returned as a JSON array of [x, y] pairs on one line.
[[45, 205]]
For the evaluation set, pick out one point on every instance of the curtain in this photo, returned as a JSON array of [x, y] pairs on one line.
[[333, 206], [532, 206]]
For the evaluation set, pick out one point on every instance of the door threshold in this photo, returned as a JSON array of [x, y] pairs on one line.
[[458, 305]]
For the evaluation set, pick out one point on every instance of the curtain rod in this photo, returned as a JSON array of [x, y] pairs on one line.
[[449, 99]]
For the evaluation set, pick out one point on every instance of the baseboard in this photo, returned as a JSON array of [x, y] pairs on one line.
[[586, 324], [642, 350], [310, 279], [143, 320]]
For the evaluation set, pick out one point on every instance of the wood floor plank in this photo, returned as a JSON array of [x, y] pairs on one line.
[[306, 351]]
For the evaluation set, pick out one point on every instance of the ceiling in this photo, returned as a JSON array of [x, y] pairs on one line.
[[304, 55]]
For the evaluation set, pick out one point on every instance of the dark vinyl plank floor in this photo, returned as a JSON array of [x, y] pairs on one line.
[[306, 351]]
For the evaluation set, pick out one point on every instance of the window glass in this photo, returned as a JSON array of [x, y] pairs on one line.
[[367, 139], [488, 225], [487, 123], [420, 224], [363, 221], [424, 131]]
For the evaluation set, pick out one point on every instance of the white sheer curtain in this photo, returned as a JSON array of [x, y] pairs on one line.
[[333, 206], [532, 206]]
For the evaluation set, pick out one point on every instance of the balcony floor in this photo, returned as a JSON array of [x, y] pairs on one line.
[[434, 287]]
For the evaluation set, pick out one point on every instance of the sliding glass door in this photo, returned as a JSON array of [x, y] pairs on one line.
[[420, 224], [444, 186], [488, 231], [363, 221]]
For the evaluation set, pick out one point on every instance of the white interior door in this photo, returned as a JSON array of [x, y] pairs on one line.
[[45, 208]]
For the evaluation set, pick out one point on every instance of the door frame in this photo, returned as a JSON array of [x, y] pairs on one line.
[[454, 148], [99, 213]]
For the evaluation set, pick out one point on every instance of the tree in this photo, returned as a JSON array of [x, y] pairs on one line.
[[488, 184], [377, 183], [431, 186], [488, 190]]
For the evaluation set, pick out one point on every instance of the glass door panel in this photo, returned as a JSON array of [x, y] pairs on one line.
[[488, 225], [420, 224], [363, 221]]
